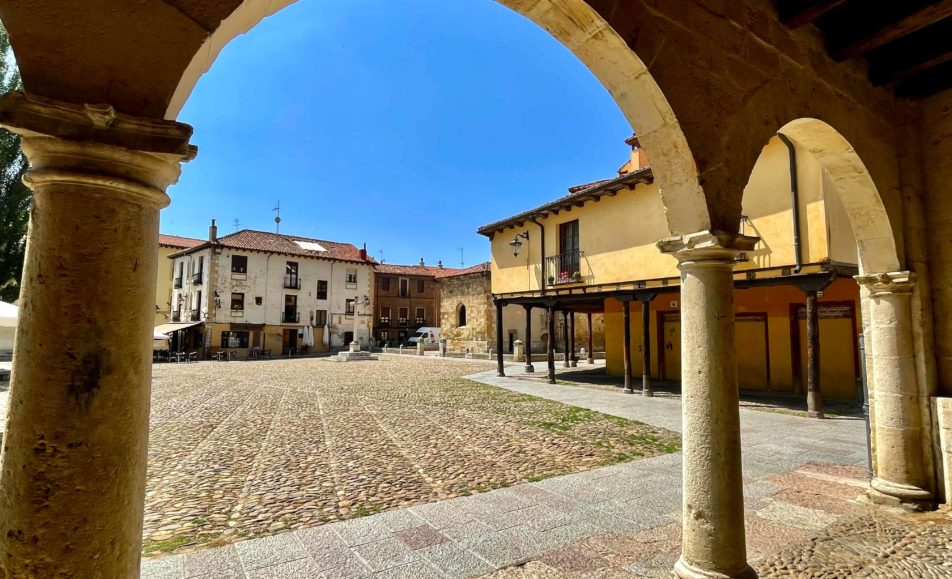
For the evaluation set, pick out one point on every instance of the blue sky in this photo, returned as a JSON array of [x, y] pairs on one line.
[[405, 125]]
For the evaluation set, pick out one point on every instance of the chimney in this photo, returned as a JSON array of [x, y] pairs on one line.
[[213, 232], [363, 252], [422, 263], [439, 264]]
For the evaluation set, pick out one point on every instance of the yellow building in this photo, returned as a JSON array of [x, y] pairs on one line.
[[168, 244], [595, 250]]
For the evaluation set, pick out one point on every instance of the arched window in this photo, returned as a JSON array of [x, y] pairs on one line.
[[462, 316]]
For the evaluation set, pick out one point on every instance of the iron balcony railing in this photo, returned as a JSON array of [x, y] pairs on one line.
[[292, 282], [420, 322], [564, 268], [385, 321], [291, 317], [196, 316], [197, 278], [178, 283], [177, 316], [402, 322]]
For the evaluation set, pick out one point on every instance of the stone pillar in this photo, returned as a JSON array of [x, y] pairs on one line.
[[499, 361], [591, 347], [900, 475], [713, 541], [626, 345], [646, 389], [565, 339], [529, 367], [573, 359], [550, 345], [814, 396], [72, 484]]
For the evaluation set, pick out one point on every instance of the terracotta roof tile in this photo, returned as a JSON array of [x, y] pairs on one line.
[[252, 240], [180, 242], [478, 268], [423, 270]]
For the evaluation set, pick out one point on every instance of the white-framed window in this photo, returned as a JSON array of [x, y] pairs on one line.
[[351, 277]]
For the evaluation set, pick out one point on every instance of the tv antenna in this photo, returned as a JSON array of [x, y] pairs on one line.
[[461, 262], [381, 255], [277, 218], [236, 224]]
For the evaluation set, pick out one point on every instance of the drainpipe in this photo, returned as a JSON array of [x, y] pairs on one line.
[[794, 200], [541, 252]]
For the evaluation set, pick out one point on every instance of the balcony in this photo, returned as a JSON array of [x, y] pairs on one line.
[[420, 322], [177, 316], [178, 283], [402, 322], [196, 316], [197, 278], [290, 317], [565, 268], [385, 322], [292, 282]]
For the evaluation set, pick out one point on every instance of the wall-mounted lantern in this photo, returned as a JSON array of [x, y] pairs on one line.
[[516, 245]]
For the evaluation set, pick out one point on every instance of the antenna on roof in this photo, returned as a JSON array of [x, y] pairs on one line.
[[461, 262], [236, 224], [381, 255], [277, 218]]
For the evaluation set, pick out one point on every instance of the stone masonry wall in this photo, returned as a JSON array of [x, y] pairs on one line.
[[474, 291]]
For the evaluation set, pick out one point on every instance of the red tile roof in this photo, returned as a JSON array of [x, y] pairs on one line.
[[252, 240], [180, 242], [478, 268], [422, 270]]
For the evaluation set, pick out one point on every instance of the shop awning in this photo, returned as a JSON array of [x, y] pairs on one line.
[[169, 328]]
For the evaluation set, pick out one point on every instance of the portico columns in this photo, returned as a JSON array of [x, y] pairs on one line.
[[573, 359], [500, 363], [713, 543], [565, 339], [900, 473], [626, 344], [529, 367], [591, 343], [550, 344], [74, 456]]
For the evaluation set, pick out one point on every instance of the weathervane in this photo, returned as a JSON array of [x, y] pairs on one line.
[[277, 218]]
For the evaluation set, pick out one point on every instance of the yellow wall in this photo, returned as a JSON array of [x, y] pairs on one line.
[[837, 364], [163, 286]]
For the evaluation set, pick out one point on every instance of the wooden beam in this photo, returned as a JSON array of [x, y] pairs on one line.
[[795, 15], [896, 30], [881, 76], [926, 83]]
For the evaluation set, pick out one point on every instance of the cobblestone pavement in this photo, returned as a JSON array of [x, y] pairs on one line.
[[623, 520], [249, 449]]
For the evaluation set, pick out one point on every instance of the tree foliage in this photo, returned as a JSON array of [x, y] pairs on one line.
[[15, 197]]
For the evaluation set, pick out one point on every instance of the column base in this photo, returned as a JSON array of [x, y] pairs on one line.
[[573, 364], [815, 414], [529, 369], [591, 360], [685, 570], [888, 493], [647, 393]]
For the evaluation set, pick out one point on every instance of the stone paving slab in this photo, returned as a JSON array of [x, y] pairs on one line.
[[625, 516]]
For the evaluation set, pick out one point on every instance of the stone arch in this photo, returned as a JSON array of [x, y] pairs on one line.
[[592, 40], [854, 186]]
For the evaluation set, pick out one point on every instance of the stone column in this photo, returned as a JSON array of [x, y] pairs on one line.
[[713, 542], [646, 389], [573, 359], [565, 339], [550, 345], [499, 360], [626, 345], [814, 395], [591, 346], [74, 456], [900, 475], [529, 367]]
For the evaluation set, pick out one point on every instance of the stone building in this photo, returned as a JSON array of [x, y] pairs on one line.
[[467, 319], [407, 298], [168, 244], [706, 85], [254, 290]]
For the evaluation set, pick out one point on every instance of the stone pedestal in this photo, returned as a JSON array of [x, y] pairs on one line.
[[442, 347], [518, 350], [420, 348], [713, 541], [900, 475], [355, 346], [74, 456]]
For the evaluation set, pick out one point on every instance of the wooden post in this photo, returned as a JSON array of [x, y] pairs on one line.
[[626, 310], [591, 350], [814, 397], [499, 361], [550, 346], [646, 389], [529, 367], [565, 338], [573, 359]]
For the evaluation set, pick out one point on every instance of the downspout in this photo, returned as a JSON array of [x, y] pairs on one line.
[[542, 253], [794, 200]]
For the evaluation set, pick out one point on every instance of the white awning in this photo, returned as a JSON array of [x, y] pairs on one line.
[[169, 328]]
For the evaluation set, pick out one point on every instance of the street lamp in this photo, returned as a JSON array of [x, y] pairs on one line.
[[516, 245]]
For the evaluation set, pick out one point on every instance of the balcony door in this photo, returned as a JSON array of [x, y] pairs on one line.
[[290, 309], [568, 247]]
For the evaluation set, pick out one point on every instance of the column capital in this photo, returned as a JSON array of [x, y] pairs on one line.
[[97, 148], [711, 246], [881, 284]]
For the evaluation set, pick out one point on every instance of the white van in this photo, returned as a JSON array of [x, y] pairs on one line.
[[429, 336]]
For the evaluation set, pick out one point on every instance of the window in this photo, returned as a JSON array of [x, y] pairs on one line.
[[234, 339], [290, 310], [385, 313], [404, 312], [461, 315], [201, 264], [239, 264], [237, 302], [349, 307], [420, 286], [385, 284], [420, 315], [320, 318], [404, 287], [258, 300], [568, 248], [351, 277], [291, 280], [322, 289]]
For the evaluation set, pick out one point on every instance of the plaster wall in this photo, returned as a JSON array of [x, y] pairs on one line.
[[163, 285]]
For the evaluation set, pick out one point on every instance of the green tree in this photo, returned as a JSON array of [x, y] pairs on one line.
[[15, 197]]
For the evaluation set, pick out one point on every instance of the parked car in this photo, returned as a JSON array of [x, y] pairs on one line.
[[427, 335]]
